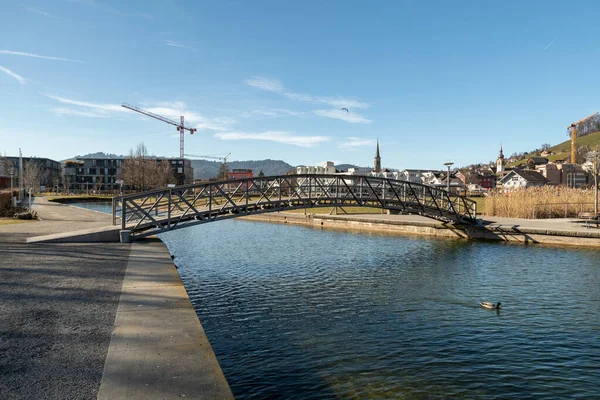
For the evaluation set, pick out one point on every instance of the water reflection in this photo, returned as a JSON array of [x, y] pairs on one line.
[[296, 312]]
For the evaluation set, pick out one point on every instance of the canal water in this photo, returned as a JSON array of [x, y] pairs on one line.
[[296, 312]]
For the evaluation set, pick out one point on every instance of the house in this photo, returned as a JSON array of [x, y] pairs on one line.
[[521, 179], [474, 189], [546, 153], [325, 168], [533, 162], [551, 172], [486, 178], [239, 174], [573, 175], [418, 175]]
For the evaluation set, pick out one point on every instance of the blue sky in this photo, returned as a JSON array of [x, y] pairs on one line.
[[435, 81]]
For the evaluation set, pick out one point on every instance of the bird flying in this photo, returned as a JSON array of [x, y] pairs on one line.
[[345, 109]]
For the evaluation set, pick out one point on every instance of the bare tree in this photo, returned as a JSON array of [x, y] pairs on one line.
[[5, 166], [162, 175], [32, 175], [99, 183], [135, 171], [142, 172]]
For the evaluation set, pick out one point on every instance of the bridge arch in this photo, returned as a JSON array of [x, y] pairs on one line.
[[156, 211]]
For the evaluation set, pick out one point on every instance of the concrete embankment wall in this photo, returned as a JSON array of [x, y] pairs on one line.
[[158, 348], [434, 228]]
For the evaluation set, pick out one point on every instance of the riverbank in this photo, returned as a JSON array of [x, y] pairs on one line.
[[65, 307], [548, 231]]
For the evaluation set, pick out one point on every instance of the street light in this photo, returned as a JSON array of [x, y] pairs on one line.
[[12, 195], [448, 164]]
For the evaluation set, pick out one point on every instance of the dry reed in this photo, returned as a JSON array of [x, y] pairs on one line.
[[540, 202]]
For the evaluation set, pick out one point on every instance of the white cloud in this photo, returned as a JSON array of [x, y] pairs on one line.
[[69, 111], [343, 115], [352, 143], [171, 110], [173, 43], [38, 11], [95, 106], [332, 101], [270, 85], [271, 112], [14, 75], [92, 3], [275, 136], [20, 53]]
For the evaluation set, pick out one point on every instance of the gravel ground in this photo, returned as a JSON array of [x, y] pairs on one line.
[[57, 307]]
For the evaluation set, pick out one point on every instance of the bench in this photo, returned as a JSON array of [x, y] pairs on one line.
[[587, 217]]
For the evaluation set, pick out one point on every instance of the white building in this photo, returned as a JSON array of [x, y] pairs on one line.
[[522, 178], [325, 168]]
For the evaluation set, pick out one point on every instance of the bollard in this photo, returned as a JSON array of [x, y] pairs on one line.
[[125, 235]]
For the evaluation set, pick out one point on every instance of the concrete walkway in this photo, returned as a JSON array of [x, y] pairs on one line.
[[158, 348], [97, 319]]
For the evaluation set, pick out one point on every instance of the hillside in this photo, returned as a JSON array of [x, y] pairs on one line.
[[562, 150], [204, 169]]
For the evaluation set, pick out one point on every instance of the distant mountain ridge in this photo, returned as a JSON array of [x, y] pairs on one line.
[[205, 169]]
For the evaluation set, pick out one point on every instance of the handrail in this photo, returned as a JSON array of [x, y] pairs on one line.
[[171, 208]]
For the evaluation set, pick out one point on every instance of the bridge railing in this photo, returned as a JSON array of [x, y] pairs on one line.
[[170, 208]]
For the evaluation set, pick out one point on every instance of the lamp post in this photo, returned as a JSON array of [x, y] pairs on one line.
[[12, 195], [448, 164]]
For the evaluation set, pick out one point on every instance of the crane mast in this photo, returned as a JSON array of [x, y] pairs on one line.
[[181, 126], [573, 130]]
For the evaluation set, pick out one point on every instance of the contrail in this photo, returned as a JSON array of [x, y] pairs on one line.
[[549, 44], [20, 53]]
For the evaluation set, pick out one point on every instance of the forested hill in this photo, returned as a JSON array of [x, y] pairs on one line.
[[204, 169]]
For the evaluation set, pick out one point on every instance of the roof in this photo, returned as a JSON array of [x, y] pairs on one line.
[[538, 160], [528, 175]]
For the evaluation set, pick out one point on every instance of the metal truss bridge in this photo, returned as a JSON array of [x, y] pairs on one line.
[[157, 211]]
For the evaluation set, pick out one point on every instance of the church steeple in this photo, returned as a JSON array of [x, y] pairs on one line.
[[500, 162], [377, 166]]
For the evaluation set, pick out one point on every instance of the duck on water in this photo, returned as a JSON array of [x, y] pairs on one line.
[[491, 306]]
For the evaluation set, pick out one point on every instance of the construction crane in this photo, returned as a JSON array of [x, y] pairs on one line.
[[214, 158], [573, 130], [181, 126]]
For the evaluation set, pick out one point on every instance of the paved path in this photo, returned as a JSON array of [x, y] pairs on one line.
[[57, 306], [104, 320], [55, 218], [555, 224]]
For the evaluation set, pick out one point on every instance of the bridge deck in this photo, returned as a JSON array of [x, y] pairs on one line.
[[157, 211]]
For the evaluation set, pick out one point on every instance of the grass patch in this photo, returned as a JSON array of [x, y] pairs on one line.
[[480, 201]]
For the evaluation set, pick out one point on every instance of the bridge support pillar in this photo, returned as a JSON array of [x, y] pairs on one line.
[[125, 235]]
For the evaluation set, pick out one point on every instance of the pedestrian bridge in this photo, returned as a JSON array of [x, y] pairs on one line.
[[162, 210]]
